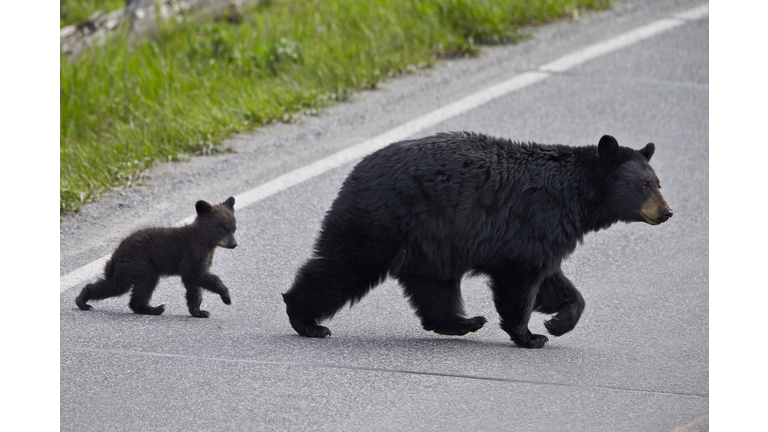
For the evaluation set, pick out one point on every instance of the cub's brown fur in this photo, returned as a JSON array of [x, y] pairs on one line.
[[144, 256]]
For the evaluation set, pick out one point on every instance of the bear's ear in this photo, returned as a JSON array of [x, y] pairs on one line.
[[202, 207], [230, 202], [647, 151], [608, 148]]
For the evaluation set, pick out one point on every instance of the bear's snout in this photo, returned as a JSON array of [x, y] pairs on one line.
[[230, 243], [655, 210]]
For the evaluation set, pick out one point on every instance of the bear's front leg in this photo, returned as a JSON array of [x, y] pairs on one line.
[[557, 295], [194, 300], [301, 322], [212, 283], [514, 294]]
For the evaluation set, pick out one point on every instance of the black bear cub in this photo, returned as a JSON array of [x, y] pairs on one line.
[[144, 256], [428, 211]]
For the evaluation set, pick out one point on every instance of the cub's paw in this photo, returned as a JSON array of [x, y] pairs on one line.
[[534, 341], [225, 298], [200, 314]]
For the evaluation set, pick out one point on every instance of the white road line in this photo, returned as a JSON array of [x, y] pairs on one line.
[[293, 178], [624, 40]]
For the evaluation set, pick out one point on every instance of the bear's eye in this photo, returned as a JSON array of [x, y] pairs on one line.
[[223, 230]]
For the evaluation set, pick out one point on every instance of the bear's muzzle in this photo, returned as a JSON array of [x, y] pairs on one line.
[[655, 210]]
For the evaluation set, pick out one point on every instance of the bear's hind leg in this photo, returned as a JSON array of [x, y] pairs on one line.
[[101, 289], [439, 305], [322, 287], [557, 295], [143, 288]]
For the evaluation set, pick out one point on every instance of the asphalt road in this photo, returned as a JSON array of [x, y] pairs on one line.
[[637, 361]]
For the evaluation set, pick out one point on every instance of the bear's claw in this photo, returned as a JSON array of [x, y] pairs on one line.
[[81, 303], [84, 306]]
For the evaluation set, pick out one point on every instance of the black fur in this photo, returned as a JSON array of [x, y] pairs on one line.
[[428, 211], [146, 255]]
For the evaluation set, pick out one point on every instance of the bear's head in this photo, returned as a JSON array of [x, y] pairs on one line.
[[217, 222], [631, 188]]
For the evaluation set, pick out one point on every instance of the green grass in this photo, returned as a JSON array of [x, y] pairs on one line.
[[77, 11], [183, 91]]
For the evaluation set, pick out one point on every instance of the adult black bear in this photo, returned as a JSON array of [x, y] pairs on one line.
[[144, 256], [428, 211]]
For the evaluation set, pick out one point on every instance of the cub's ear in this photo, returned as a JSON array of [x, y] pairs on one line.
[[608, 148], [647, 151], [202, 207], [230, 202]]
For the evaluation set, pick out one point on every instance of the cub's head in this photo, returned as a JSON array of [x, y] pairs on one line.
[[631, 188], [217, 222]]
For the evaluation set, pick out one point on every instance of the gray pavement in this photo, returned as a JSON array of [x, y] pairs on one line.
[[637, 361]]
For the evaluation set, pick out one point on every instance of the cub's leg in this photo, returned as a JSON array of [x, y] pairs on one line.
[[514, 294], [210, 282], [194, 300], [439, 305], [101, 289], [557, 295], [143, 287]]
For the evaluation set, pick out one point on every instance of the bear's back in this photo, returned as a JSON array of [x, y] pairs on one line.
[[155, 249], [448, 169], [463, 198]]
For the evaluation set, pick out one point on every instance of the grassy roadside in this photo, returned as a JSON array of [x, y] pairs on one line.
[[187, 88], [77, 11]]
